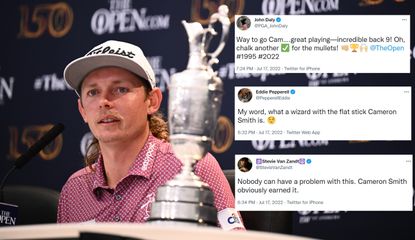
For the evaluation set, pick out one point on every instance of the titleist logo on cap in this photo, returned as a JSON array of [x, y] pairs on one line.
[[109, 50]]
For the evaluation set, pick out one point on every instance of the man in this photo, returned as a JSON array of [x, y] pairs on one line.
[[245, 95], [130, 157], [244, 164], [243, 22]]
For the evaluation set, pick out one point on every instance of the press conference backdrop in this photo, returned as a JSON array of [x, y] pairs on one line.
[[39, 37]]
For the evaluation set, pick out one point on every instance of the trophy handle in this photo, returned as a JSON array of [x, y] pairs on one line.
[[221, 16]]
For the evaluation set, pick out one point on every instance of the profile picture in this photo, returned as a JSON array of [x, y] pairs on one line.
[[244, 164], [245, 95], [243, 22]]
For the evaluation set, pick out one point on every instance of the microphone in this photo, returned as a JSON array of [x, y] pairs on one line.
[[39, 145], [32, 151]]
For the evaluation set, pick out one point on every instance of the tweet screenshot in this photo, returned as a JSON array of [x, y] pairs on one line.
[[322, 43], [323, 182], [323, 113]]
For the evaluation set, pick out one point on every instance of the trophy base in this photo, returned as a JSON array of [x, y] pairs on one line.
[[189, 213], [184, 204]]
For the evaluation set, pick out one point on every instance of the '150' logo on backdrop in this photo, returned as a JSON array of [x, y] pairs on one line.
[[32, 134], [375, 2], [55, 18]]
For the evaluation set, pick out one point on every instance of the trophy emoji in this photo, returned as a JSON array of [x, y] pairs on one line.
[[354, 47], [195, 97]]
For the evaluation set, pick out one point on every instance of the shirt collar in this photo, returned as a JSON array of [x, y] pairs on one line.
[[142, 165], [99, 176]]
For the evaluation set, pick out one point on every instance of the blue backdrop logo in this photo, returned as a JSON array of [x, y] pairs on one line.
[[50, 82], [6, 89], [162, 73], [316, 79], [122, 18], [296, 7], [305, 217], [263, 145]]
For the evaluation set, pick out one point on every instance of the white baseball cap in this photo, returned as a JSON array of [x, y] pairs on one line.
[[109, 54]]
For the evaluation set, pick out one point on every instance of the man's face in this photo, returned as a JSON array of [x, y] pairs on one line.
[[114, 104]]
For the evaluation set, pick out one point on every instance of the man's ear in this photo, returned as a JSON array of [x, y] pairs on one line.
[[82, 110], [155, 97]]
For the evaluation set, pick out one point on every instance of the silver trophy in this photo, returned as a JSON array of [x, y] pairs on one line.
[[195, 97]]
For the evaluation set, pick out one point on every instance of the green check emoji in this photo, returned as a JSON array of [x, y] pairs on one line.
[[285, 47]]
